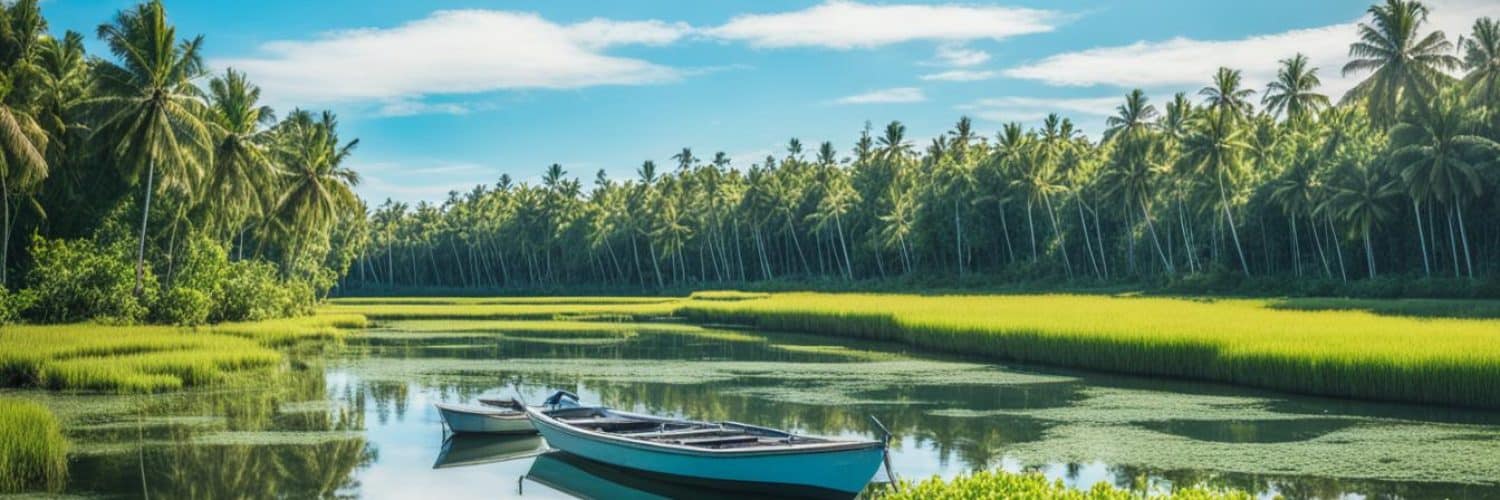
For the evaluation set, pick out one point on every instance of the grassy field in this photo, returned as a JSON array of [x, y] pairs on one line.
[[1341, 349], [150, 358], [1000, 484], [33, 452], [546, 308]]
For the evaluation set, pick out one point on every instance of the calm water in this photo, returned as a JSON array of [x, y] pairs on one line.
[[356, 421]]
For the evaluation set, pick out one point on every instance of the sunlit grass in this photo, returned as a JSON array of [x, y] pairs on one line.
[[1335, 353], [529, 311], [111, 358], [1001, 484], [727, 295], [366, 301], [33, 452]]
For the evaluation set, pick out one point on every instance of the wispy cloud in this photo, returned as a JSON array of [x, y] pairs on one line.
[[1185, 62], [961, 75], [456, 52], [960, 57], [843, 24], [886, 96], [1025, 109]]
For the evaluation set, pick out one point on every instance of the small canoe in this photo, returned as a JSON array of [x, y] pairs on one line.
[[495, 419], [462, 450], [724, 455]]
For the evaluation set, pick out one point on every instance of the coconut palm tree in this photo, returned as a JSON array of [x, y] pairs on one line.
[[1214, 150], [1436, 150], [1226, 97], [23, 142], [1362, 199], [1402, 62], [1293, 92], [242, 164], [317, 185], [1482, 61], [152, 113], [1133, 117]]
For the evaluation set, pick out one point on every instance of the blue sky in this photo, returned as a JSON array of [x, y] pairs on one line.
[[446, 94]]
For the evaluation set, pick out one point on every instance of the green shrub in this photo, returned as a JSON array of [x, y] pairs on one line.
[[80, 280], [183, 306], [250, 292], [33, 452], [10, 309], [1005, 485]]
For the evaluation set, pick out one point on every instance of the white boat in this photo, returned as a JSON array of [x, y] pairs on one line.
[[725, 455], [497, 419]]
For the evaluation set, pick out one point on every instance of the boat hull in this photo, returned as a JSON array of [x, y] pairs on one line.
[[484, 421], [841, 472]]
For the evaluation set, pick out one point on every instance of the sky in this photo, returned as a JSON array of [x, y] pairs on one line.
[[447, 94]]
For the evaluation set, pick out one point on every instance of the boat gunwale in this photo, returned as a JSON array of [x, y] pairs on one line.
[[828, 445], [496, 413]]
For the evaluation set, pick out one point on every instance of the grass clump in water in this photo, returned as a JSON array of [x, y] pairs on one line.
[[1249, 342], [1004, 485], [130, 359], [33, 452]]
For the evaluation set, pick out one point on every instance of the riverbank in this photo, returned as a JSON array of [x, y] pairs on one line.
[[1338, 350]]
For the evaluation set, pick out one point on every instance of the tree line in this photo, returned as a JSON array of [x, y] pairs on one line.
[[1394, 183], [138, 186]]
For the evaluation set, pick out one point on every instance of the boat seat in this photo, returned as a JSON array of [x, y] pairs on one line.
[[611, 424], [677, 434], [718, 441]]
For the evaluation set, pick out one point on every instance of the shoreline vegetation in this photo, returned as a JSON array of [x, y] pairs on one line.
[[1002, 484]]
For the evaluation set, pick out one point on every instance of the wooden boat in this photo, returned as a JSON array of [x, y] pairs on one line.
[[726, 455], [494, 419], [462, 450]]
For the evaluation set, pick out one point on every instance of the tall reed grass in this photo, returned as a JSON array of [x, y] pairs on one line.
[[1353, 354], [150, 358], [33, 451]]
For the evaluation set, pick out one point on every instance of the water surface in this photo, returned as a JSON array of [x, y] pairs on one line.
[[356, 420]]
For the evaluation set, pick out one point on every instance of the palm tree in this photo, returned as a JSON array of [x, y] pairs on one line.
[[1225, 95], [1482, 60], [318, 186], [23, 142], [1363, 200], [1435, 149], [152, 112], [1293, 94], [242, 166], [1132, 117], [1402, 62], [1213, 149]]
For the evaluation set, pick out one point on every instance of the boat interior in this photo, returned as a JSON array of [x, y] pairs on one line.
[[704, 435]]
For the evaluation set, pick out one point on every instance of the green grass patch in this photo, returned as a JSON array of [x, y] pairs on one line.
[[1432, 308], [471, 301], [516, 311], [1001, 484], [128, 359], [33, 451], [729, 295], [1340, 353]]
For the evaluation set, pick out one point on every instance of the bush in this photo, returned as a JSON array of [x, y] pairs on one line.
[[79, 280], [10, 306], [183, 306]]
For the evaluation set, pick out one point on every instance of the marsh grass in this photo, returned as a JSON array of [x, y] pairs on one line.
[[1001, 484], [1248, 342], [33, 451], [368, 301], [529, 311], [150, 358]]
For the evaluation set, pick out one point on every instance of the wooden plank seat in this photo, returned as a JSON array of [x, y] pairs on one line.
[[715, 442], [658, 435], [611, 424]]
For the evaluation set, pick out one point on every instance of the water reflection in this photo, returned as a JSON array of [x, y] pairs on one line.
[[357, 421]]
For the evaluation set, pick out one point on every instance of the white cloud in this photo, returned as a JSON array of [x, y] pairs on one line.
[[961, 75], [886, 96], [1184, 63], [455, 52], [413, 182], [1026, 109], [843, 24], [408, 107], [960, 57]]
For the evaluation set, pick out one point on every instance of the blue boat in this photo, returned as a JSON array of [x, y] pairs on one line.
[[725, 455]]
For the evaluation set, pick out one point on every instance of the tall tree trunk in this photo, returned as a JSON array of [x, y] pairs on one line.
[[1464, 235], [1099, 237], [1146, 212], [655, 264], [1005, 230], [5, 247], [1083, 224], [1453, 245], [848, 267], [1062, 243], [1369, 252], [958, 239], [792, 229], [1296, 248], [1031, 225], [1333, 237], [1229, 217], [140, 253], [1318, 241], [1416, 212]]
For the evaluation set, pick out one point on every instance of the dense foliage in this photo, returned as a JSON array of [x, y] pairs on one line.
[[1395, 185], [137, 187]]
